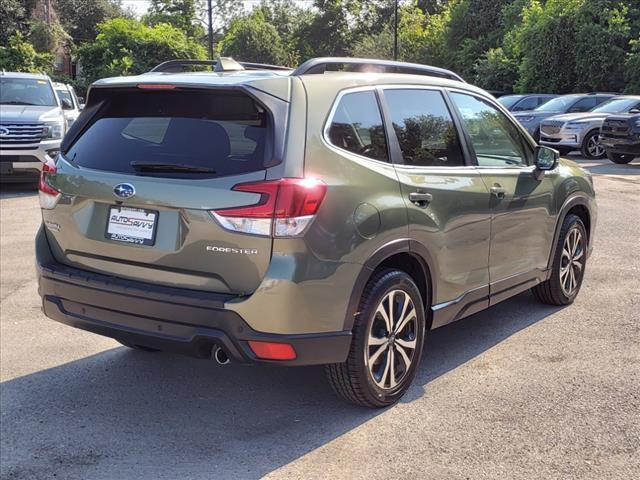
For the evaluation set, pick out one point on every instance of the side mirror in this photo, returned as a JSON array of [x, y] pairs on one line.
[[66, 104], [81, 106], [634, 110], [546, 158]]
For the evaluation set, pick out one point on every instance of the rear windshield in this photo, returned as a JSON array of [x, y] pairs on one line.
[[219, 133]]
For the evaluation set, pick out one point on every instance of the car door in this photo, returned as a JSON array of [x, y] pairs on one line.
[[447, 200], [522, 223]]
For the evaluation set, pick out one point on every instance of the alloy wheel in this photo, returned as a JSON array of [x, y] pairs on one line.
[[571, 261], [392, 340], [594, 147]]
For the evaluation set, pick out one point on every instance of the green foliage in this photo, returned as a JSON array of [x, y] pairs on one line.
[[252, 39], [20, 56], [181, 14], [496, 71], [14, 16], [632, 68], [81, 17], [127, 47], [48, 38]]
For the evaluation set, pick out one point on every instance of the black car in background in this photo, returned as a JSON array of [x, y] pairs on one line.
[[620, 136], [525, 101]]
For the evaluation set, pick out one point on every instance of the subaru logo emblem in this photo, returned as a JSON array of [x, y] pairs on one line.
[[4, 131], [124, 190]]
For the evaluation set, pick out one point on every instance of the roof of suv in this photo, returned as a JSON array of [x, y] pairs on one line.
[[37, 76], [374, 72]]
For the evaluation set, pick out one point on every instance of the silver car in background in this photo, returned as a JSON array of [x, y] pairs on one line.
[[32, 125], [581, 131], [573, 103]]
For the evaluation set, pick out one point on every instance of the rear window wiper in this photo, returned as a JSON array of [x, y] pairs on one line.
[[169, 167]]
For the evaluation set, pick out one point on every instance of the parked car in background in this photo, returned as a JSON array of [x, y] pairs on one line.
[[286, 217], [525, 102], [32, 125], [581, 102], [581, 131], [620, 137], [69, 101]]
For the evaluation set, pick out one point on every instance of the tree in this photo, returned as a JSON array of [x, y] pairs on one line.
[[632, 68], [181, 14], [251, 38], [81, 17], [496, 71], [327, 33], [20, 56], [15, 18], [125, 46]]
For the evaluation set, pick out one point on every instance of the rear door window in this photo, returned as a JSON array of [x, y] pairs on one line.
[[356, 126], [424, 128], [528, 103], [583, 105], [219, 133]]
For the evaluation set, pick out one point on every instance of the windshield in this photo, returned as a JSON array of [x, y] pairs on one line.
[[62, 94], [558, 104], [619, 105], [26, 91], [509, 100]]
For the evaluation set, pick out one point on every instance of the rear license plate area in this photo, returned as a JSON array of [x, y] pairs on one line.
[[132, 225]]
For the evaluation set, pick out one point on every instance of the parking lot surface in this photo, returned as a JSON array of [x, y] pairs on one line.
[[521, 390]]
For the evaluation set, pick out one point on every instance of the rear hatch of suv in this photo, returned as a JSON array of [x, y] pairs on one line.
[[145, 171]]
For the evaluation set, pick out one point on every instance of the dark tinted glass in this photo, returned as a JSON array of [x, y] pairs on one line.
[[357, 126], [223, 132], [528, 103], [583, 105], [424, 128]]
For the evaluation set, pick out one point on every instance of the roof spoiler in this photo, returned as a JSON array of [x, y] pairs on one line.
[[319, 65]]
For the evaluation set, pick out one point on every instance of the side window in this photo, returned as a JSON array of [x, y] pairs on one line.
[[424, 127], [583, 105], [600, 100], [496, 141], [528, 103], [357, 127]]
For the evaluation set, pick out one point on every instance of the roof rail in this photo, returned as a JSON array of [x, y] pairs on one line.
[[319, 65], [223, 64]]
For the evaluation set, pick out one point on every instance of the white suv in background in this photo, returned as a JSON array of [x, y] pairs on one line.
[[69, 101], [32, 124]]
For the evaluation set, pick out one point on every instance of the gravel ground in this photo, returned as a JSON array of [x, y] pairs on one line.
[[518, 391]]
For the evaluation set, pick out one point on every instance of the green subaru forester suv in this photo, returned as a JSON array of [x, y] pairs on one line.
[[332, 214]]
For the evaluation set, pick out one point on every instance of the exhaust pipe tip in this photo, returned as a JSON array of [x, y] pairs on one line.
[[221, 356]]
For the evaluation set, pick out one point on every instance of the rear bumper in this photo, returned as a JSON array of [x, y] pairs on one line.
[[182, 321]]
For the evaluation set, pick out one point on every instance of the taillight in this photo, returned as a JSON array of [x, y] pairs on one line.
[[48, 195], [286, 207]]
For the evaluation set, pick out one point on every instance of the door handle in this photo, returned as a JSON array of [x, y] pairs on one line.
[[421, 199], [498, 191]]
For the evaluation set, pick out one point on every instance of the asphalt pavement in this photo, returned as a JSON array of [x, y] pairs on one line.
[[519, 391]]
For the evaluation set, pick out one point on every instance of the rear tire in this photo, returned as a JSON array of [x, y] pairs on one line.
[[591, 147], [376, 373], [619, 158], [569, 264]]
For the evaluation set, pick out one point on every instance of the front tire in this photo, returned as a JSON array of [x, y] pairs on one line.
[[591, 146], [569, 264], [619, 158], [387, 342]]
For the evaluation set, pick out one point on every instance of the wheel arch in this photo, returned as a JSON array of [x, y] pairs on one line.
[[406, 255], [577, 204]]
